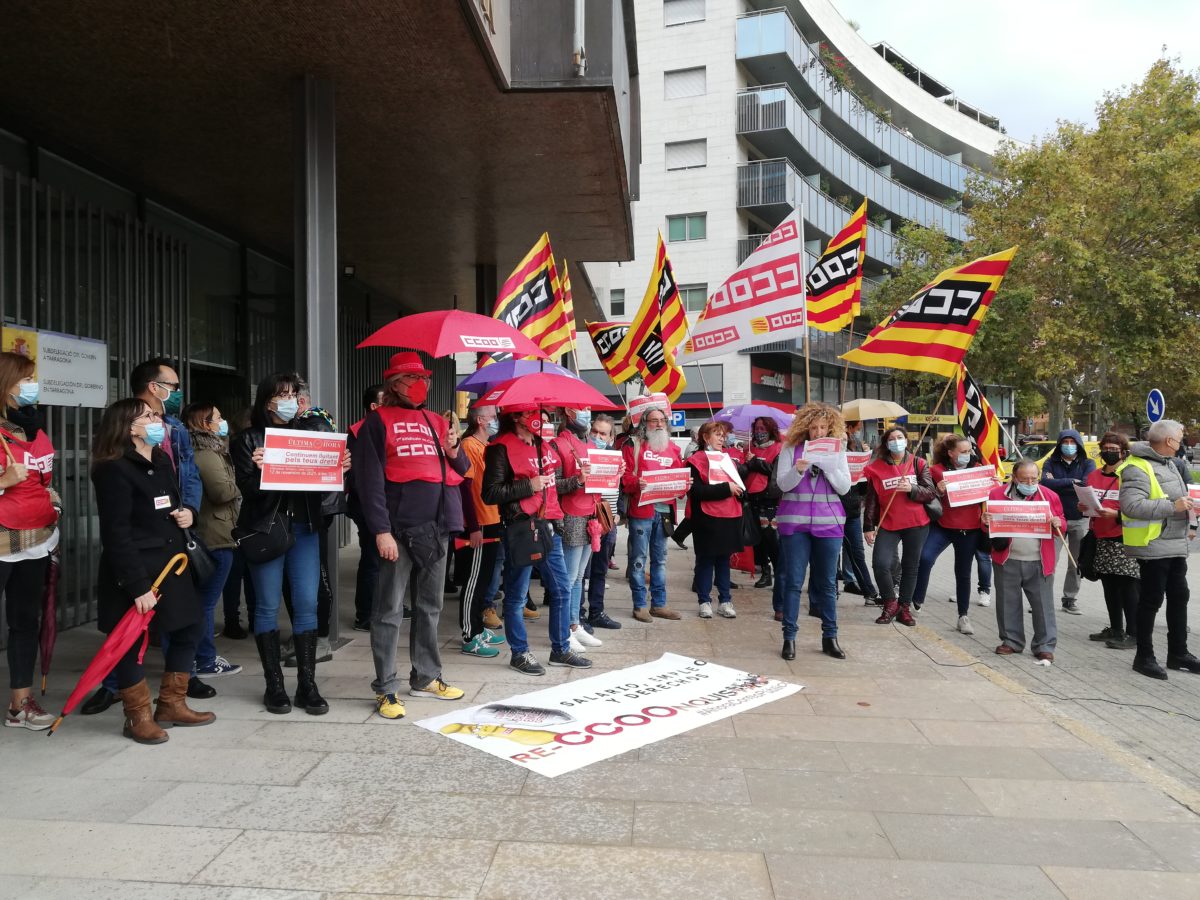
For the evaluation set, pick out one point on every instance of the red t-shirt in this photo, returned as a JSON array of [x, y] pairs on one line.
[[1108, 489]]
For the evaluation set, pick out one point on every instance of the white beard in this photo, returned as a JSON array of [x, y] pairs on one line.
[[658, 440]]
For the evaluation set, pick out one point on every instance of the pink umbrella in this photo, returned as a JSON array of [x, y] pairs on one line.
[[448, 331], [545, 389]]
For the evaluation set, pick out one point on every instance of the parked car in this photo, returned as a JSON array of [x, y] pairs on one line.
[[1039, 452]]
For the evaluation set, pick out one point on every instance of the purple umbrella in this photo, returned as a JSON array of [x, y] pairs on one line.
[[482, 380], [742, 417]]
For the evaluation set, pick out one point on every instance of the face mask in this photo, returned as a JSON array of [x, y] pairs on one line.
[[417, 392], [28, 394], [1110, 457], [761, 438], [963, 460], [897, 446], [1069, 450], [173, 403], [493, 427], [1027, 490], [223, 429], [599, 443], [582, 419], [155, 434], [535, 425], [286, 409]]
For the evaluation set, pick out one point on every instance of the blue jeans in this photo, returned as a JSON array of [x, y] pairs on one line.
[[210, 595], [599, 573], [493, 586], [706, 568], [647, 538], [303, 563], [553, 570], [965, 544], [802, 551], [983, 560], [576, 560]]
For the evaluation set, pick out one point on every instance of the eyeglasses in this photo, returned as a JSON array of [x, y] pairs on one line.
[[169, 385], [412, 379], [152, 416], [291, 395]]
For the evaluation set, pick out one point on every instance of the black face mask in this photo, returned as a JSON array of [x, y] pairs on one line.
[[1110, 457]]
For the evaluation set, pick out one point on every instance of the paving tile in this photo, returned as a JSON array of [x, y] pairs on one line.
[[68, 752], [107, 850], [1087, 765], [520, 871], [828, 728], [974, 688], [851, 878], [399, 737], [444, 772], [817, 685], [865, 791], [643, 781], [1018, 841], [760, 828], [983, 762], [211, 764], [1106, 884], [1093, 800], [249, 705], [900, 708], [108, 889], [1035, 736], [795, 705], [87, 799], [1178, 844], [17, 885], [351, 862], [758, 753], [1012, 710]]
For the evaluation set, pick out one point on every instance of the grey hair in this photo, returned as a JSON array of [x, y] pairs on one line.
[[1164, 428], [1022, 463], [603, 417]]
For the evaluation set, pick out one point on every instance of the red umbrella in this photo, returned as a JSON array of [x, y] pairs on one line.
[[48, 634], [544, 389], [132, 625], [448, 331]]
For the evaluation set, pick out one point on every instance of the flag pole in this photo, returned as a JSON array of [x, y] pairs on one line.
[[846, 366], [699, 368], [804, 303], [920, 440]]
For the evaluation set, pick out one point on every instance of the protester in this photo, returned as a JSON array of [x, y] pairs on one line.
[[579, 515], [407, 471], [296, 517], [715, 502], [1118, 571], [366, 576], [601, 438], [476, 561], [1154, 526], [520, 476], [1025, 565], [811, 524], [218, 514], [959, 527], [856, 575], [141, 517], [649, 450], [762, 495], [1066, 468], [899, 485], [29, 514]]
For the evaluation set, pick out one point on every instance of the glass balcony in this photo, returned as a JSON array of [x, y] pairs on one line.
[[779, 124], [772, 48]]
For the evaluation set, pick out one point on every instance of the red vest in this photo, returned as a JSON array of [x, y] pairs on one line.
[[411, 450], [730, 507], [26, 506], [522, 459], [572, 451], [756, 482], [645, 460], [894, 481], [1108, 490]]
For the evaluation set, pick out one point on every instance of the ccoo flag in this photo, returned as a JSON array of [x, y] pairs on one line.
[[652, 361], [932, 331], [531, 302], [975, 416], [835, 282], [762, 301]]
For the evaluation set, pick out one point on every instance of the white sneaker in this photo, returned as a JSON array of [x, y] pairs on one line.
[[588, 640], [706, 610], [727, 610], [984, 598], [964, 625], [574, 643]]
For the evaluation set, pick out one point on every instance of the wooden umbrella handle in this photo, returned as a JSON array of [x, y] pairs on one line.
[[178, 562]]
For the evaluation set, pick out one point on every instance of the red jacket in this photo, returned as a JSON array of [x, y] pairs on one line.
[[963, 518], [1049, 547], [646, 460], [1107, 488]]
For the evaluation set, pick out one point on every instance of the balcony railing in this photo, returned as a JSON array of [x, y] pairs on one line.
[[774, 108]]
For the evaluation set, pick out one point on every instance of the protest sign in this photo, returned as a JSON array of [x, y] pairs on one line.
[[302, 461], [721, 469], [1019, 518], [824, 452], [966, 487], [1089, 499], [604, 468], [857, 461], [663, 485]]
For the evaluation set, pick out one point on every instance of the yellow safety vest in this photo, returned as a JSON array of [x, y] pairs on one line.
[[1139, 532]]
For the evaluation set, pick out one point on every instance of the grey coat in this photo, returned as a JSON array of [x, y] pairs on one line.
[[1136, 504]]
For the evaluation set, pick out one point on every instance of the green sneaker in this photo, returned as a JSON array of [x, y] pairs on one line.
[[491, 638], [477, 646]]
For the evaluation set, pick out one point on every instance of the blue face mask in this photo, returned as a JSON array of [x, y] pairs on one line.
[[28, 395], [1027, 490], [582, 419], [223, 429], [1069, 450], [897, 446], [287, 409], [156, 433], [600, 443], [493, 427], [963, 460]]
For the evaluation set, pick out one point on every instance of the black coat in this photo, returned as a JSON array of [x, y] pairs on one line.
[[713, 536], [137, 540], [259, 506]]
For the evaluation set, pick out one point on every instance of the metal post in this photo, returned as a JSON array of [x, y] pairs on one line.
[[316, 263]]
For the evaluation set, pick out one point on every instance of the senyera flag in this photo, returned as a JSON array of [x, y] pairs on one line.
[[650, 361], [569, 310], [606, 338], [531, 301], [978, 421], [835, 282], [762, 301], [932, 331]]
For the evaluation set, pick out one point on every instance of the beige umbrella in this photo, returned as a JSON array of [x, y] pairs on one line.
[[867, 408]]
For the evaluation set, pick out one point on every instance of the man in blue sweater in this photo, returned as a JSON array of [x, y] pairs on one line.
[[1066, 467]]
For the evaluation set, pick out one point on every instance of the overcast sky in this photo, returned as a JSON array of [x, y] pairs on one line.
[[1032, 62]]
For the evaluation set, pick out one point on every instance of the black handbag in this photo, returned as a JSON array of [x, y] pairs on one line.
[[751, 529], [426, 543], [263, 546], [933, 508], [528, 541], [1087, 557], [200, 561]]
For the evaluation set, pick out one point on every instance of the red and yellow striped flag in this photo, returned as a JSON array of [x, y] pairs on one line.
[[835, 282], [977, 419], [932, 331], [531, 301]]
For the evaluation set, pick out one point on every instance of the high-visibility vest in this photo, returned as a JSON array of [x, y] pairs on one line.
[[1139, 532]]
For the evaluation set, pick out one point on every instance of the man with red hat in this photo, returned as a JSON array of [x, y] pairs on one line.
[[407, 471]]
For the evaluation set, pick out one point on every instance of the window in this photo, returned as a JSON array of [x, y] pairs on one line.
[[679, 12], [687, 228], [694, 296], [684, 83], [616, 303], [687, 155]]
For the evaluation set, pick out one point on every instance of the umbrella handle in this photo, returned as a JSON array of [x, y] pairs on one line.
[[54, 727], [178, 562]]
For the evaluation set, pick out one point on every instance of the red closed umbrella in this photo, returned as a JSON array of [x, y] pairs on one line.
[[48, 633], [545, 389], [448, 331], [132, 626]]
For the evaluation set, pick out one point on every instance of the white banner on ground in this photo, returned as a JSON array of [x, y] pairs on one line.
[[572, 725]]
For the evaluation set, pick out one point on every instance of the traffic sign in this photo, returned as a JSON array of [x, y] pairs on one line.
[[1156, 405], [678, 418]]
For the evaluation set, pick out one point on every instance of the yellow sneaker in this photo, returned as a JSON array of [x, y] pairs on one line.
[[437, 689], [491, 620], [389, 706]]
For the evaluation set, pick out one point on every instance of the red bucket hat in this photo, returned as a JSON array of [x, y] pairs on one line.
[[405, 363]]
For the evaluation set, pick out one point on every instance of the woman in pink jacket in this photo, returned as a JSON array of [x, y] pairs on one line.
[[1025, 565]]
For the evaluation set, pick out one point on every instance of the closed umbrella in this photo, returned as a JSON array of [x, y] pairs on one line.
[[448, 331], [868, 408], [481, 380], [742, 417], [48, 633]]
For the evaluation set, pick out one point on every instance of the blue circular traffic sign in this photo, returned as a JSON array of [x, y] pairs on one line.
[[1156, 405]]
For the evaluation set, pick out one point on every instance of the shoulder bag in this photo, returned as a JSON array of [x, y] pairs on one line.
[[425, 543], [263, 546]]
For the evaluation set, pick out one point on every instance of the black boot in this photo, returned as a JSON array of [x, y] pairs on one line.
[[830, 647], [1148, 666], [307, 695], [199, 690], [765, 580], [98, 702], [1183, 662], [789, 650], [275, 699]]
